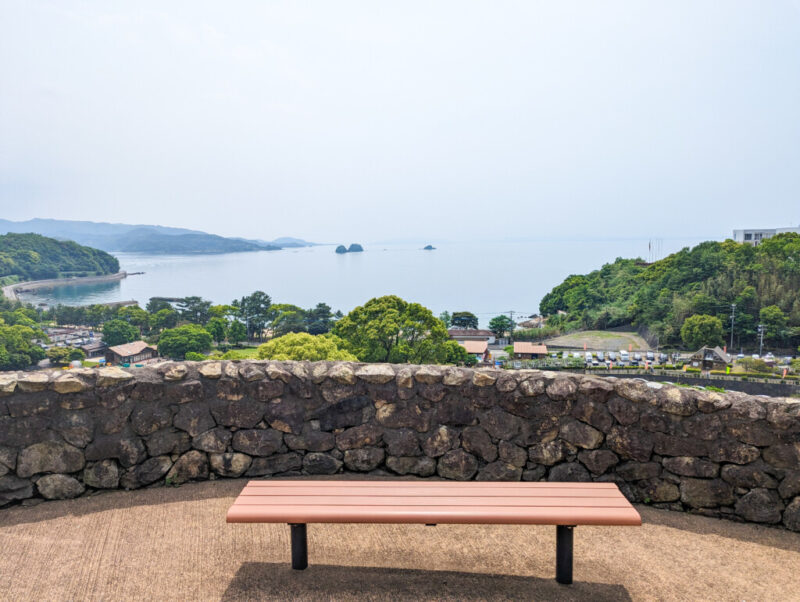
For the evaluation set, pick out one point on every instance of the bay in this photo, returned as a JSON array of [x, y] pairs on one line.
[[487, 278]]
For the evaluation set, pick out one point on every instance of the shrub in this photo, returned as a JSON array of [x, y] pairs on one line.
[[195, 357]]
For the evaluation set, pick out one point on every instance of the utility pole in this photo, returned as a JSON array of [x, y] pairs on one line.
[[761, 339], [511, 328], [733, 314]]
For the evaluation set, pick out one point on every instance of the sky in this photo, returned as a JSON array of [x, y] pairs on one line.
[[405, 120]]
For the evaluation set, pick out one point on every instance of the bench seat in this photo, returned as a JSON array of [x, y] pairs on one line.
[[566, 505]]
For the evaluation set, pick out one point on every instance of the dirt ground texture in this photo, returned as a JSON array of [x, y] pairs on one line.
[[174, 544], [600, 340]]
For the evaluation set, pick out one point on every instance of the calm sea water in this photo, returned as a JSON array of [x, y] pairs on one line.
[[485, 278]]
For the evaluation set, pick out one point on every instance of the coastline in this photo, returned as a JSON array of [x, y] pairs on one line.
[[10, 291]]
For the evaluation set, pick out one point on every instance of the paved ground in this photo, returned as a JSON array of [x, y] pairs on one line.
[[174, 544]]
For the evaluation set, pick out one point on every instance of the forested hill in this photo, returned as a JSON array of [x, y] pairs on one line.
[[36, 257], [763, 282]]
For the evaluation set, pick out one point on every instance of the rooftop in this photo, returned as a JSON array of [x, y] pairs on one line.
[[130, 348], [173, 543], [526, 347], [475, 346]]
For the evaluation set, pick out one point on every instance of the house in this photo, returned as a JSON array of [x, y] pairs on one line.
[[130, 353], [94, 348], [524, 350], [707, 358], [480, 349], [756, 235], [471, 334]]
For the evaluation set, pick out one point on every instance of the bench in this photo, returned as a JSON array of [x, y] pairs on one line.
[[565, 505]]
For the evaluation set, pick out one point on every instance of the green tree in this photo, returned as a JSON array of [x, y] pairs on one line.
[[117, 332], [287, 318], [446, 318], [464, 319], [702, 330], [237, 332], [320, 319], [254, 311], [194, 309], [454, 353], [164, 318], [304, 346], [17, 347], [64, 355], [133, 314], [500, 325], [774, 321], [156, 304], [176, 342], [389, 329], [218, 328]]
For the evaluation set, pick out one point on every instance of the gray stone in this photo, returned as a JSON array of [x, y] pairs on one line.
[[625, 411], [128, 450], [791, 516], [59, 487], [484, 378], [69, 383], [790, 485], [210, 370], [49, 456], [344, 413], [32, 382], [593, 413], [533, 387], [783, 456], [191, 466], [401, 442], [500, 424], [403, 415], [710, 402], [243, 413], [109, 377], [343, 374], [499, 471], [77, 427], [691, 467], [215, 440], [599, 460], [102, 475], [562, 389], [418, 465], [363, 459], [13, 488], [760, 506], [439, 441], [749, 476], [311, 440], [269, 389], [754, 433], [361, 436], [596, 389], [667, 445], [377, 374], [454, 377], [168, 441], [676, 400], [251, 372], [257, 442], [149, 471], [658, 491], [706, 493], [732, 451], [229, 464], [275, 464], [569, 471], [581, 434], [637, 471], [476, 441], [319, 463], [148, 418], [194, 419], [534, 474], [458, 465], [511, 454], [428, 375], [703, 426], [547, 454], [506, 384], [634, 389], [630, 443]]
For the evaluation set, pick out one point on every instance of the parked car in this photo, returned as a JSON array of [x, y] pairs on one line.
[[650, 356], [612, 355], [663, 358], [600, 356], [637, 356]]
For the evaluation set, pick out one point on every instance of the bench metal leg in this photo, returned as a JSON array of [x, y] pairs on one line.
[[299, 546], [564, 553]]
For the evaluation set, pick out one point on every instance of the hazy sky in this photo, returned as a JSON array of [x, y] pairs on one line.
[[375, 120]]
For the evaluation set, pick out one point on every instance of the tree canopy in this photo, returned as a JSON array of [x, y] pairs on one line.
[[705, 279], [464, 319], [304, 346], [117, 332], [176, 342], [389, 329], [701, 331], [35, 257]]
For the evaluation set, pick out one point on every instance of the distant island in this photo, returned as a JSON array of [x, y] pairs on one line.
[[354, 248], [428, 248], [156, 240], [36, 257]]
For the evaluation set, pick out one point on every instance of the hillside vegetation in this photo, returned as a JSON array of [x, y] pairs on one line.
[[763, 282], [35, 257]]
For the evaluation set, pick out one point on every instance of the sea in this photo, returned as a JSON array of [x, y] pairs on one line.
[[486, 278]]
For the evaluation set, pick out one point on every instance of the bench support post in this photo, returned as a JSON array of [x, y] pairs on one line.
[[299, 546], [564, 553]]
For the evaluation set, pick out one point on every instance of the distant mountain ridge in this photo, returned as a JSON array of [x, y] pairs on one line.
[[141, 238]]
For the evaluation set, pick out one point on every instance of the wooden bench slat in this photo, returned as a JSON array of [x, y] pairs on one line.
[[431, 501], [423, 484], [240, 513], [432, 492]]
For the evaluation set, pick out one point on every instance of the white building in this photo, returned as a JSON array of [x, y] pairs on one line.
[[756, 235]]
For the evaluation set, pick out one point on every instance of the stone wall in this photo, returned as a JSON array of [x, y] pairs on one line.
[[64, 434]]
